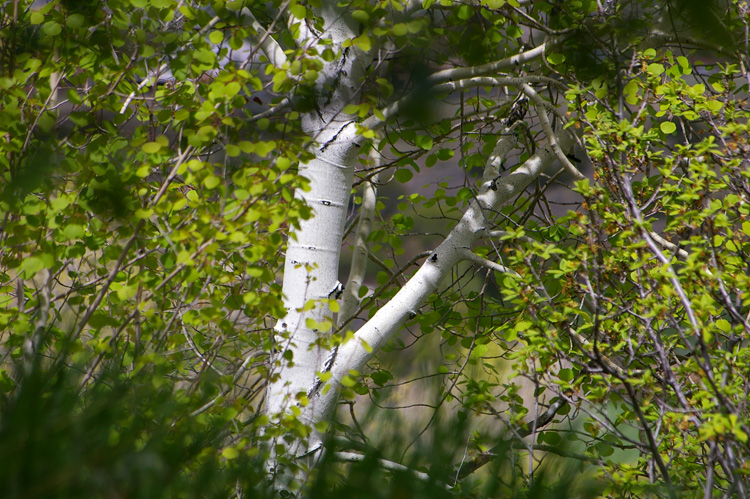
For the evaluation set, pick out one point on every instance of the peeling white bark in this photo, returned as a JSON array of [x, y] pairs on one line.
[[312, 259]]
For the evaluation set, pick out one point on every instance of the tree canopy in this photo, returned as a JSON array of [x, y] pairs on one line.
[[373, 247]]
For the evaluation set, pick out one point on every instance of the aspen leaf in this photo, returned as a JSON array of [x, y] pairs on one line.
[[514, 31], [151, 147], [403, 175], [714, 105], [424, 142], [465, 12], [31, 266], [556, 59], [724, 325], [233, 150], [360, 16], [667, 127], [479, 351], [655, 69], [363, 42], [216, 37], [381, 377], [51, 28], [298, 11], [73, 232], [75, 21], [211, 182]]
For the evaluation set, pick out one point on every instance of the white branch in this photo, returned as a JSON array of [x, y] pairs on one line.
[[385, 464], [495, 81], [547, 127], [492, 67], [265, 41], [374, 122], [350, 299], [370, 338], [473, 257]]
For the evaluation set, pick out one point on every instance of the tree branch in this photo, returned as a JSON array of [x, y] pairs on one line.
[[385, 464], [505, 444], [492, 67], [265, 41], [473, 257], [350, 298], [375, 122], [547, 127], [353, 355]]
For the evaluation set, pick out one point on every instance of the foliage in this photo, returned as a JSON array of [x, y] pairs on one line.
[[149, 168]]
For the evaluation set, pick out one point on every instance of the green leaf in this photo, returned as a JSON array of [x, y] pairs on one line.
[[465, 12], [51, 28], [216, 37], [151, 147], [724, 325], [555, 59], [31, 265], [360, 16], [363, 42], [403, 175], [211, 182], [75, 21], [445, 154], [72, 232], [667, 127], [714, 105], [655, 69], [298, 11], [36, 17], [479, 351], [381, 377], [233, 151], [424, 142], [566, 374], [631, 92], [514, 31], [230, 453]]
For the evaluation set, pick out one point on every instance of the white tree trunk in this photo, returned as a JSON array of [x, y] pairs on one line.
[[312, 260]]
